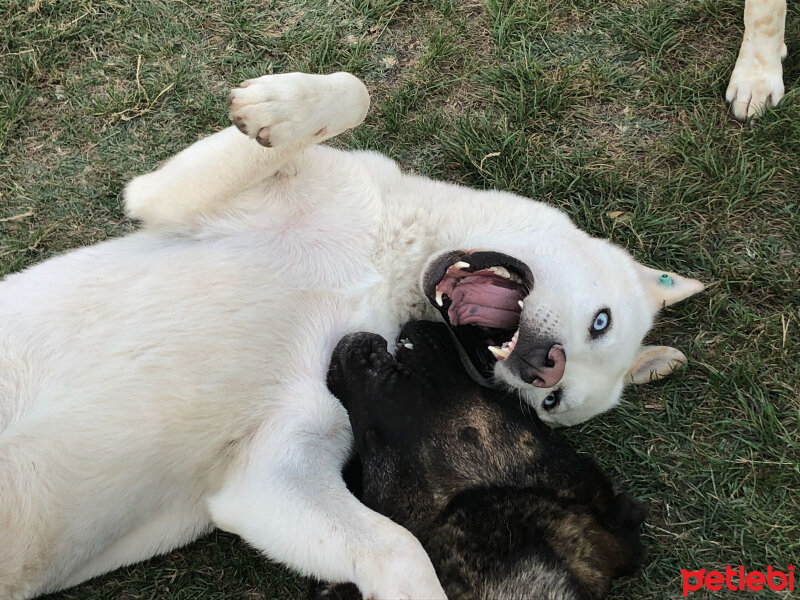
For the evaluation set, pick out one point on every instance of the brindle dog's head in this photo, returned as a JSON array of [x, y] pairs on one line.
[[435, 447]]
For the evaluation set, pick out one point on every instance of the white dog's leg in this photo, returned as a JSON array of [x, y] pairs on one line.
[[74, 504], [170, 529], [280, 115], [757, 79], [286, 497]]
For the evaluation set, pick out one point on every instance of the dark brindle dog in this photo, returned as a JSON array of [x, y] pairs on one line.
[[503, 506]]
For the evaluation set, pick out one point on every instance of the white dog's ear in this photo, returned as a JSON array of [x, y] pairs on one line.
[[665, 288], [652, 363]]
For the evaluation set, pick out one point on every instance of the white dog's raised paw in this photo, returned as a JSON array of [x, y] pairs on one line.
[[756, 82], [295, 107]]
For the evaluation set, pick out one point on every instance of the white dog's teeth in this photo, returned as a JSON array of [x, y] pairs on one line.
[[439, 300], [521, 304], [499, 353], [408, 345], [513, 343], [501, 271], [461, 265]]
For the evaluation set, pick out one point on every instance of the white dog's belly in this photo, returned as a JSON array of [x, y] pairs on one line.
[[172, 528], [127, 386], [178, 319]]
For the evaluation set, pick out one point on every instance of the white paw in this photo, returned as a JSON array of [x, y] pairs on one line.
[[756, 82], [281, 109], [403, 571]]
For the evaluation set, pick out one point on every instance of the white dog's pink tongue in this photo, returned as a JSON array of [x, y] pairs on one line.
[[484, 299]]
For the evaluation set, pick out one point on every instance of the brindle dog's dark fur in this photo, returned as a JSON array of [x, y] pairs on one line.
[[503, 506]]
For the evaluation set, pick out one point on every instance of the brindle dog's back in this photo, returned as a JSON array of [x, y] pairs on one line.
[[503, 506]]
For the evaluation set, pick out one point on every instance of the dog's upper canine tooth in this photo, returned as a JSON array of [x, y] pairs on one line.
[[521, 304], [499, 353], [502, 271], [439, 300], [461, 265], [512, 344]]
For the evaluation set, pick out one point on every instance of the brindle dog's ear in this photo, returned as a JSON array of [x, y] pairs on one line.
[[628, 511], [591, 486]]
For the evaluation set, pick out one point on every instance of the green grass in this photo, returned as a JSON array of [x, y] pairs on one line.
[[595, 106]]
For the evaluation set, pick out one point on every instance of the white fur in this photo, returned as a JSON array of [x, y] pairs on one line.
[[157, 385], [757, 78]]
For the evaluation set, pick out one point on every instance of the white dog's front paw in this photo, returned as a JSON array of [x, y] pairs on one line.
[[404, 571], [756, 82], [291, 107]]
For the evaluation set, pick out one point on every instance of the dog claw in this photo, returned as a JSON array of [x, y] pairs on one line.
[[263, 138], [240, 125]]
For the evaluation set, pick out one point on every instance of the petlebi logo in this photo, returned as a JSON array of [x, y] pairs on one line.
[[738, 579]]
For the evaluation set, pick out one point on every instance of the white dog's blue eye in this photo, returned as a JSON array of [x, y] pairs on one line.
[[601, 322], [551, 400]]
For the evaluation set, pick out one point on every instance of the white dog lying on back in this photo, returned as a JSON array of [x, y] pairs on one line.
[[156, 386], [757, 79]]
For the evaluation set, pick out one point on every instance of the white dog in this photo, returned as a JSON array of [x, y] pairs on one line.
[[757, 79], [156, 386]]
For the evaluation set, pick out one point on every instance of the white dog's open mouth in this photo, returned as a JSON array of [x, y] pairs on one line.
[[479, 295]]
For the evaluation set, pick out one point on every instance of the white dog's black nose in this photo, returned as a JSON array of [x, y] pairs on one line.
[[541, 367]]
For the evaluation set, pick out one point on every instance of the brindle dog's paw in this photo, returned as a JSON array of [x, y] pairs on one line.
[[356, 360]]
